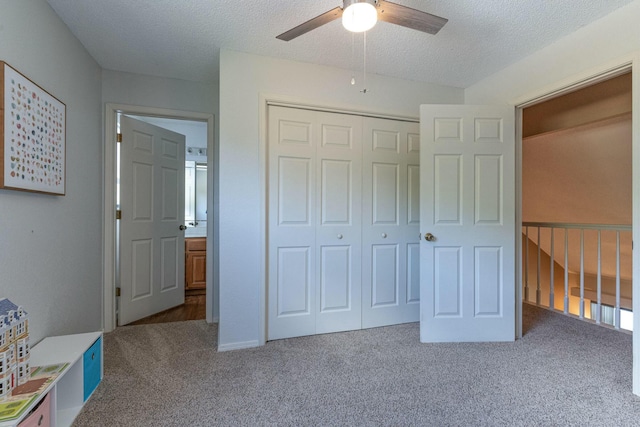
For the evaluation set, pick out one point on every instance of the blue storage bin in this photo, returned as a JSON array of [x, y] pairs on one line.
[[92, 363]]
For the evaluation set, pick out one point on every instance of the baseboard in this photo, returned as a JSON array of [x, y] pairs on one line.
[[238, 345]]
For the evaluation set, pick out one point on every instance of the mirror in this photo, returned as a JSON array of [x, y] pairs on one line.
[[195, 194]]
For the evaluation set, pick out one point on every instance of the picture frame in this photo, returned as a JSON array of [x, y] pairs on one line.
[[32, 135]]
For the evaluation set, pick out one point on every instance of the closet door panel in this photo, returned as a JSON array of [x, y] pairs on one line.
[[294, 281], [390, 222], [291, 268], [384, 275], [385, 181], [338, 234]]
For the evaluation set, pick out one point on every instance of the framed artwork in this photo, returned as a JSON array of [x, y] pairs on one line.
[[32, 135]]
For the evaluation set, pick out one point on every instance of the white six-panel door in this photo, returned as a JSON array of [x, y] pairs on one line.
[[291, 223], [320, 275], [468, 205], [338, 233], [314, 228], [390, 222], [152, 206]]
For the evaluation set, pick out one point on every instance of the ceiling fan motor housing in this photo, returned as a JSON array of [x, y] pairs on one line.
[[359, 15]]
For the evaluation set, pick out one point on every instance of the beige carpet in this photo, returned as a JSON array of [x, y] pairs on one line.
[[563, 372]]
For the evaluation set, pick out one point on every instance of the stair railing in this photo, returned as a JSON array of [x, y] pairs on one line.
[[551, 229]]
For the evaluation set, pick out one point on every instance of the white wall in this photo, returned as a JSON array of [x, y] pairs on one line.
[[602, 45], [579, 175], [51, 246], [159, 92], [244, 78]]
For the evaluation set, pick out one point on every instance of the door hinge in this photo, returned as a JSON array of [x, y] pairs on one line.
[[119, 137], [118, 214], [117, 291]]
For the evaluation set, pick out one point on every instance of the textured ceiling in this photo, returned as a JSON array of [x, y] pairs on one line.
[[182, 39]]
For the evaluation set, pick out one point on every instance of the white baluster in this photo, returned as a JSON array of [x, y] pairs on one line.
[[582, 273], [538, 292], [566, 271], [599, 303], [551, 278], [617, 312], [526, 264]]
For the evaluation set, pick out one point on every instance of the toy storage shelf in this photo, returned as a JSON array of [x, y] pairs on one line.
[[71, 389]]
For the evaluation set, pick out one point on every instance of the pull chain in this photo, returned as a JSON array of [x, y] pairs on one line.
[[353, 59], [364, 77]]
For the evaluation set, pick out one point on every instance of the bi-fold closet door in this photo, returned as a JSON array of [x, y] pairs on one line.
[[342, 222], [390, 222]]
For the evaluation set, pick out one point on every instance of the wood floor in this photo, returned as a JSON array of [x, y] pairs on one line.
[[192, 309]]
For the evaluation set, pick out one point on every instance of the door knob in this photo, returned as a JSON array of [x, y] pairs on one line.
[[339, 236], [429, 237], [182, 227], [384, 235]]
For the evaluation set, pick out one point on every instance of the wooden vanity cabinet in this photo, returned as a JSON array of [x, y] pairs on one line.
[[196, 263]]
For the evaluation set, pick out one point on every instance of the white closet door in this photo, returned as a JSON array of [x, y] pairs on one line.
[[391, 219], [314, 222], [338, 231], [292, 219]]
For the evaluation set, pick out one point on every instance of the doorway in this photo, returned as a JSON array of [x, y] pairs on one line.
[[206, 229], [577, 188]]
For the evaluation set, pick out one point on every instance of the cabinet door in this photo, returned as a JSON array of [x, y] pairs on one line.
[[196, 270]]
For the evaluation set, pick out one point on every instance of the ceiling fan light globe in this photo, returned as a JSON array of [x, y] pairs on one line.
[[359, 17]]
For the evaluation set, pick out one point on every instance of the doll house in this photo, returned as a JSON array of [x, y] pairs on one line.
[[14, 347]]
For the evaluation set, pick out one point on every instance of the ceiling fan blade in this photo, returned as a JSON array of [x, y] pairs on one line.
[[410, 18], [311, 24]]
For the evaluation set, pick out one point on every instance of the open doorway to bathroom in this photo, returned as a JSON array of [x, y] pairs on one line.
[[111, 300]]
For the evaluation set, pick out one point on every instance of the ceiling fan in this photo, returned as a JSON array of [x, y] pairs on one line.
[[361, 15]]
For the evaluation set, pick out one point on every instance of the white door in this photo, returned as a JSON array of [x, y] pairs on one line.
[[467, 280], [314, 215], [338, 232], [152, 205], [390, 224]]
